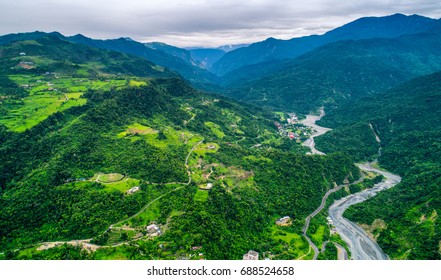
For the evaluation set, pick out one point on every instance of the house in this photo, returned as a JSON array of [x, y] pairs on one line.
[[133, 190], [207, 187], [153, 230], [284, 221], [329, 220], [251, 256], [211, 147]]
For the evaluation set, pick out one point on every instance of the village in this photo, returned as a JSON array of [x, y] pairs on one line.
[[292, 128]]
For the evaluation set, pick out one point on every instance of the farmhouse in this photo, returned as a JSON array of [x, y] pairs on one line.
[[251, 256], [133, 190], [207, 187], [153, 230], [284, 221]]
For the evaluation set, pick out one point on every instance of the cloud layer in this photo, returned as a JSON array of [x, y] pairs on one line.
[[197, 22]]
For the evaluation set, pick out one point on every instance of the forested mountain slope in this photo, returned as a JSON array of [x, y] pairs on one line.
[[342, 71]]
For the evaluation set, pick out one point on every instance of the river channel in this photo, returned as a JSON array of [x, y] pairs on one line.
[[362, 247]]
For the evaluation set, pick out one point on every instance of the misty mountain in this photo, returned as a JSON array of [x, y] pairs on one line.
[[363, 28]]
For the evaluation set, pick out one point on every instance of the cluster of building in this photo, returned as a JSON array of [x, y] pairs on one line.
[[293, 119]]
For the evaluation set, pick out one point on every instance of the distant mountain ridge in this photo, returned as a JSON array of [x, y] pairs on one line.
[[197, 76], [363, 28], [344, 70]]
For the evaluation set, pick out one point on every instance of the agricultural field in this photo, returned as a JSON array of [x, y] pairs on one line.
[[48, 94]]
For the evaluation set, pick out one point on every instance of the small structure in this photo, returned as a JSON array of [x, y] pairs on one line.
[[330, 220], [251, 256], [133, 190], [284, 221], [211, 147], [22, 54], [196, 248], [153, 230], [207, 187]]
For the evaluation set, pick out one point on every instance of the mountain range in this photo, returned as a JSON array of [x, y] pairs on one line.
[[102, 141]]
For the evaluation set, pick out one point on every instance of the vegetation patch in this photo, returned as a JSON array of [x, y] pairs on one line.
[[137, 129], [215, 129], [201, 195]]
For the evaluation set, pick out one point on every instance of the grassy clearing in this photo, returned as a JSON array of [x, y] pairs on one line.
[[161, 137], [152, 213], [294, 244], [122, 186], [109, 178], [201, 196], [204, 148], [137, 129], [134, 83], [215, 129], [319, 235]]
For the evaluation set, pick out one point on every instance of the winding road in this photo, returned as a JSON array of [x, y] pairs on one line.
[[362, 247]]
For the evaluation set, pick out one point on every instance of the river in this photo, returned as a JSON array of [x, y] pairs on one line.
[[362, 247], [317, 131]]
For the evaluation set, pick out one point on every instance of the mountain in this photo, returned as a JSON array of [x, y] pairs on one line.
[[407, 121], [197, 76], [205, 58], [342, 70], [96, 151], [172, 50], [363, 28]]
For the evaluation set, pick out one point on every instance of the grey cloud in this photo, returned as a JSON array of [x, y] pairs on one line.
[[201, 22]]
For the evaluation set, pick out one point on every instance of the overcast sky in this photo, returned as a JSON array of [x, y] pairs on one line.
[[197, 22]]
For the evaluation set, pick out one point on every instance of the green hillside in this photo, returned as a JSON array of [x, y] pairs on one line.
[[130, 147]]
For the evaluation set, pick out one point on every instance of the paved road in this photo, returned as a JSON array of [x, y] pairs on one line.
[[341, 252], [360, 245], [320, 208]]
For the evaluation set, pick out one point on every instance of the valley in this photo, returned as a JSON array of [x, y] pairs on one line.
[[117, 149]]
